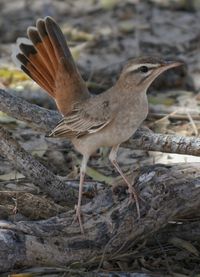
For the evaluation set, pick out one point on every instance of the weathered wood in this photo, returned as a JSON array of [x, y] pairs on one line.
[[37, 117], [44, 120], [149, 141], [15, 204], [111, 225], [33, 169]]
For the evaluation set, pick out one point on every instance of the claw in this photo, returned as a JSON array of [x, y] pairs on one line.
[[133, 197], [78, 217]]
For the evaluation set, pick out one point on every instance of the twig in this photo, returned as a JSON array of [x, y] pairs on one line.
[[192, 123], [164, 117], [169, 109], [176, 116]]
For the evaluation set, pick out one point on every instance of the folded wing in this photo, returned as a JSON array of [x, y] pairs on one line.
[[84, 119]]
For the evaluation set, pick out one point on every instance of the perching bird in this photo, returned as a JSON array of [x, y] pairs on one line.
[[88, 121]]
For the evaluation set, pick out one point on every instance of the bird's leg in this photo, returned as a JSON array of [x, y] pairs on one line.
[[82, 176], [131, 189]]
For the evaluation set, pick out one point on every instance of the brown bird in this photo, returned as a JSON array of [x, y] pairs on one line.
[[88, 121]]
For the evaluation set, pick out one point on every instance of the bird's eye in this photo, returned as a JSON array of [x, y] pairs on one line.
[[144, 69]]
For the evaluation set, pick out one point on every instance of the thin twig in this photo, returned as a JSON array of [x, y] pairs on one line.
[[192, 123]]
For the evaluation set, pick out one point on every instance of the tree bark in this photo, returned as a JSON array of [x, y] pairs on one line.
[[110, 223], [44, 120], [37, 117], [33, 169]]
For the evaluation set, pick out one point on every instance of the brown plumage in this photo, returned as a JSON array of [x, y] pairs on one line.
[[49, 63], [89, 121]]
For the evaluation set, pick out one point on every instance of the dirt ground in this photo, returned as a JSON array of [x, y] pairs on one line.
[[102, 35]]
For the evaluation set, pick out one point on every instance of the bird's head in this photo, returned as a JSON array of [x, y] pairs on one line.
[[140, 72]]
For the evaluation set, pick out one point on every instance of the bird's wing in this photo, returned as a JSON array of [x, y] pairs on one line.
[[88, 118], [46, 58]]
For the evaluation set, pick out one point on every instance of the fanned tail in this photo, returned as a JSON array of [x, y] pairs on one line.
[[46, 58]]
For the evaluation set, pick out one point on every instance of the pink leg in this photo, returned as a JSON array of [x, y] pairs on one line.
[[78, 206], [131, 190]]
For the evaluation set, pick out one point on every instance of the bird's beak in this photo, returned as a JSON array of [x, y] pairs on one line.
[[167, 65], [162, 68]]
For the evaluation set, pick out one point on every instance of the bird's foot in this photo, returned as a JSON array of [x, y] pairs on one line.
[[134, 197], [78, 218]]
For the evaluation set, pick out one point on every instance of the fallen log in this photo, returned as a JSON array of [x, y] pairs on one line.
[[110, 223]]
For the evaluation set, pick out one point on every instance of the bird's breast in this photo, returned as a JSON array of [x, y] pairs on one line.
[[122, 127], [134, 112]]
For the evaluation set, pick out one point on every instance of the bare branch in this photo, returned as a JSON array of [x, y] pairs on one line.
[[44, 120], [35, 171], [169, 192], [32, 206], [146, 140], [37, 117]]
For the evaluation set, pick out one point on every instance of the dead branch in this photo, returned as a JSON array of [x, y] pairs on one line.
[[149, 141], [33, 169], [37, 117], [110, 225], [22, 203], [44, 120]]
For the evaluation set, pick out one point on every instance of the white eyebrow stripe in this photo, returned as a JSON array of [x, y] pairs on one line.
[[136, 66]]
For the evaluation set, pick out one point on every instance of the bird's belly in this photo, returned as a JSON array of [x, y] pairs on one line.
[[109, 136]]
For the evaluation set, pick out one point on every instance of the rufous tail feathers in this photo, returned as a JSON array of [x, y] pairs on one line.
[[46, 58]]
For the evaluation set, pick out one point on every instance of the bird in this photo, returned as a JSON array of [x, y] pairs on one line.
[[89, 121]]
